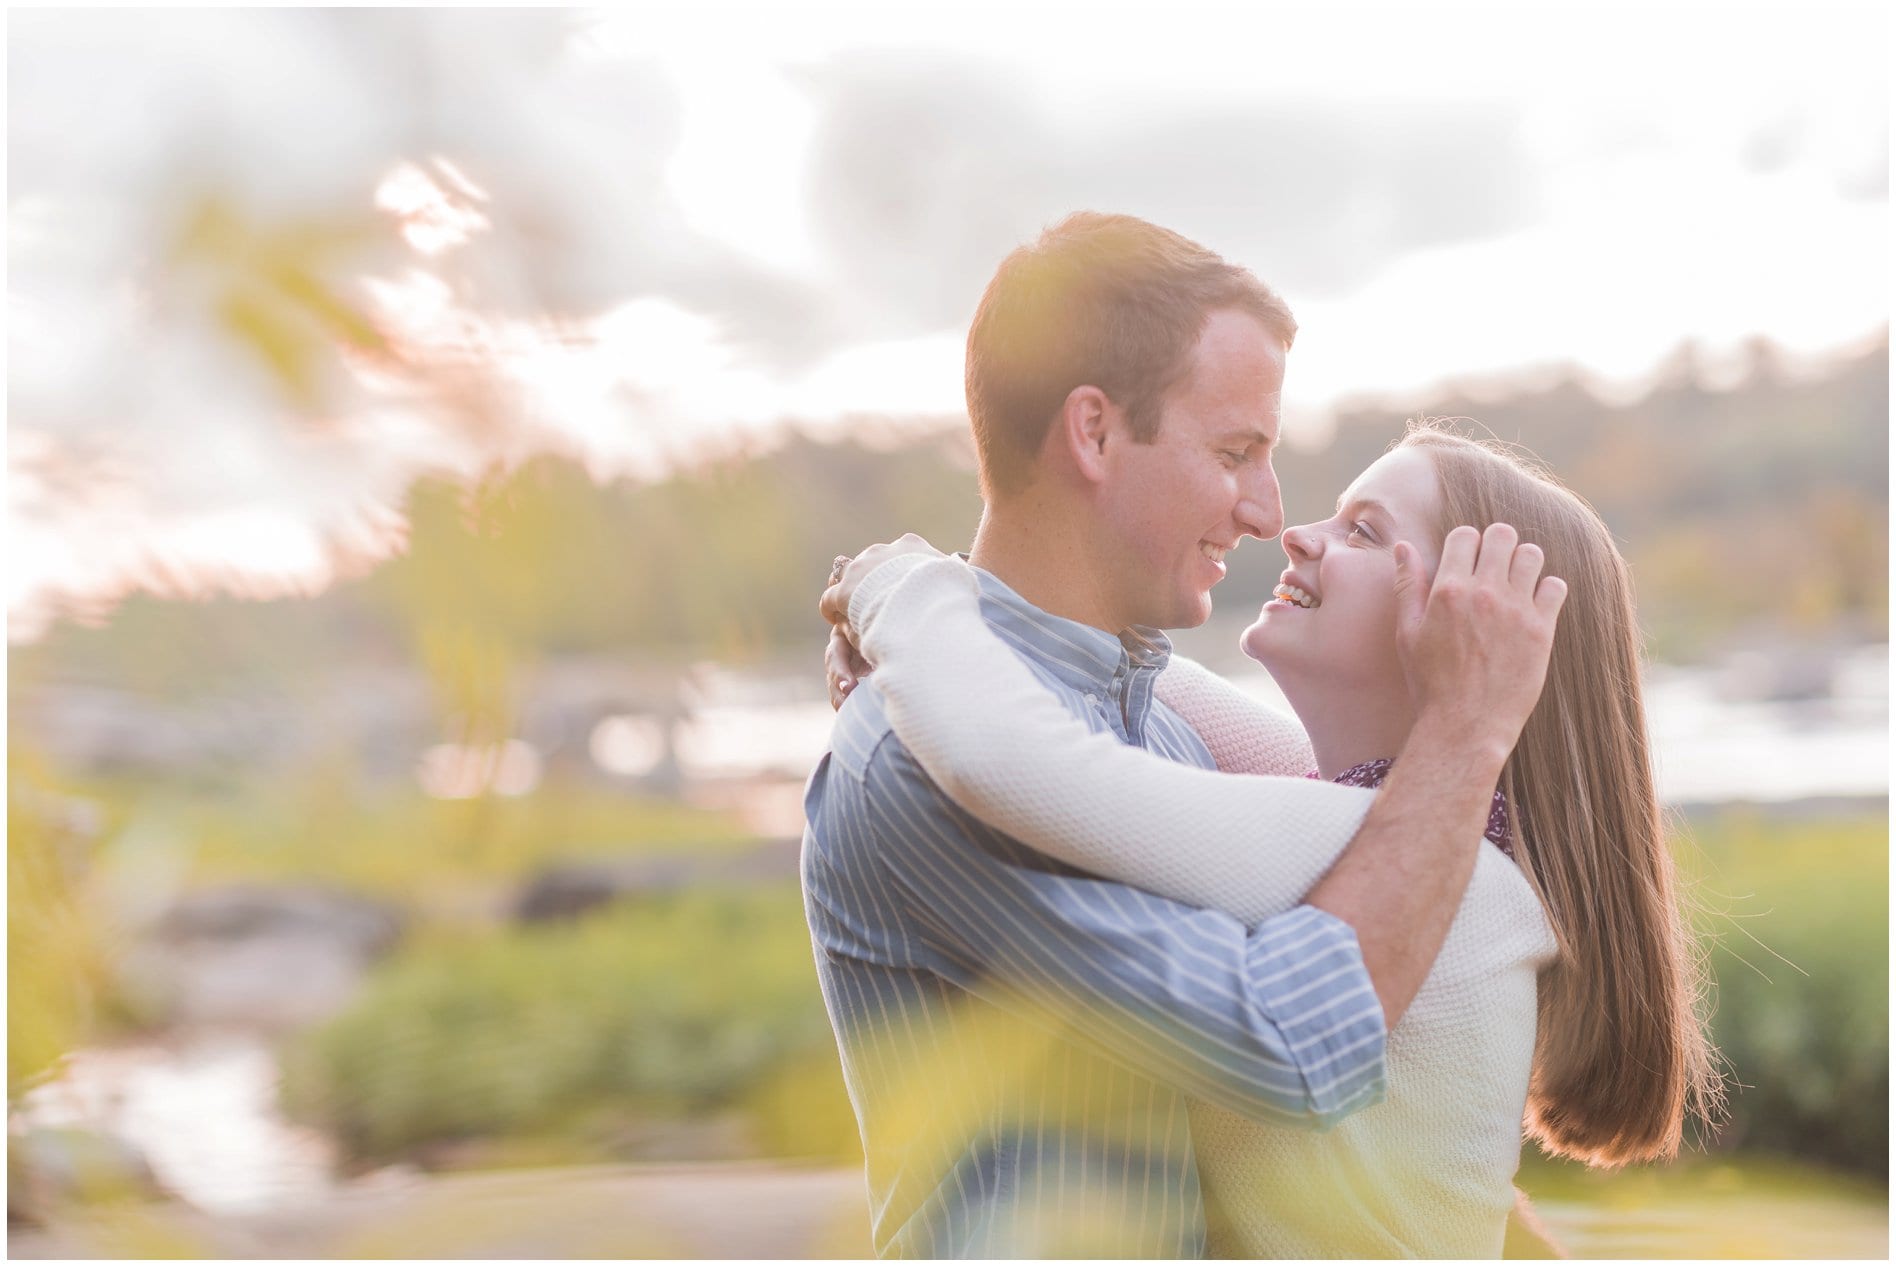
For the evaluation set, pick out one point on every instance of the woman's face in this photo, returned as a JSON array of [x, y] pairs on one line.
[[1332, 626]]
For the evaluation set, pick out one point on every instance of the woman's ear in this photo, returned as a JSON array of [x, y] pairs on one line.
[[1085, 426]]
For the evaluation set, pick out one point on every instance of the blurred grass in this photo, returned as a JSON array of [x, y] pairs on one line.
[[328, 827], [1704, 1208]]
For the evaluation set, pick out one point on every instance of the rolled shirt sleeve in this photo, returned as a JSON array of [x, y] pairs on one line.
[[1277, 1022]]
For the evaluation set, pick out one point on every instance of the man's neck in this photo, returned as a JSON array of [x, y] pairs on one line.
[[1047, 557]]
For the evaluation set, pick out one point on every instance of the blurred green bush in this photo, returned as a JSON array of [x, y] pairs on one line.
[[1798, 914], [694, 1006], [572, 1041]]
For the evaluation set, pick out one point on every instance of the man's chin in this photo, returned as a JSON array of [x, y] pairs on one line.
[[1188, 610], [1190, 614]]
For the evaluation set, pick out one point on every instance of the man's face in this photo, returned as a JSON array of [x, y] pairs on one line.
[[1172, 508]]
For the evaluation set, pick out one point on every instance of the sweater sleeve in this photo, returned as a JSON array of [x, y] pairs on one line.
[[1244, 735], [1003, 747]]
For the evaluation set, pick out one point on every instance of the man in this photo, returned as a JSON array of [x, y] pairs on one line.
[[1018, 1037]]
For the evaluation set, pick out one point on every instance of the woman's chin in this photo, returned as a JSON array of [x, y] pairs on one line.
[[1267, 647], [1264, 640], [1255, 641]]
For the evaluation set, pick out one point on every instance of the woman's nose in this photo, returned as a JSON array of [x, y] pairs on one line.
[[1301, 539]]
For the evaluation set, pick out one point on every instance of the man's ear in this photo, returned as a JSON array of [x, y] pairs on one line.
[[1085, 427]]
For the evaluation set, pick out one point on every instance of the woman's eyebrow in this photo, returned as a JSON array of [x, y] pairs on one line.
[[1367, 505]]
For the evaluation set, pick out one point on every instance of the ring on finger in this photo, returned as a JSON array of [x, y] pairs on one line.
[[836, 568]]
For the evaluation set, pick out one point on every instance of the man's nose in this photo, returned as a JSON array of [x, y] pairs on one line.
[[1260, 511]]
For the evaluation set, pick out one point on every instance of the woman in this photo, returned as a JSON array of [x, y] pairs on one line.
[[1565, 996]]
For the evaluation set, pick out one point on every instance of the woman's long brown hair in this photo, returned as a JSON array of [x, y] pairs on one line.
[[1621, 1051]]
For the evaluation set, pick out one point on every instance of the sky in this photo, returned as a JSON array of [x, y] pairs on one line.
[[1438, 190], [266, 267]]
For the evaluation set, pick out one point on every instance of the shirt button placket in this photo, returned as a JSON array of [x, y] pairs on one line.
[[1119, 712]]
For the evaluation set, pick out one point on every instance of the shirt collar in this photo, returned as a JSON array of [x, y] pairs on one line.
[[1079, 655]]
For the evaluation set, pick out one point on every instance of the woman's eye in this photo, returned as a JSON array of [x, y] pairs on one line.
[[1361, 529]]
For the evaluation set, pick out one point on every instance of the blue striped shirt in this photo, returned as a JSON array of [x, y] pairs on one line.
[[1018, 1037]]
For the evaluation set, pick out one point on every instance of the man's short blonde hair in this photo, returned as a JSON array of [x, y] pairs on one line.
[[1108, 301]]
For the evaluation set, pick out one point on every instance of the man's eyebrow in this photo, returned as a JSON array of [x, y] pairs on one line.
[[1250, 435]]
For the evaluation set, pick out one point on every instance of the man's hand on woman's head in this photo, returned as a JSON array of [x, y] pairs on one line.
[[843, 664], [1475, 641]]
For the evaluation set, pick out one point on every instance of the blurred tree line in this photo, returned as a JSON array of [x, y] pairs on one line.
[[1758, 510]]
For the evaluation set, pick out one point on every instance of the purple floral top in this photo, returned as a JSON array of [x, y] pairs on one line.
[[1372, 774]]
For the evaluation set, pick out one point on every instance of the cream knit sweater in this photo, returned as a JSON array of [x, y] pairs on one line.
[[1426, 1173]]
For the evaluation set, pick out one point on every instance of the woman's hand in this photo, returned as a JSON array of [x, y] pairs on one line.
[[843, 664]]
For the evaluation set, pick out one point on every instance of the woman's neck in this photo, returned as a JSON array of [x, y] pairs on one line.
[[1346, 732]]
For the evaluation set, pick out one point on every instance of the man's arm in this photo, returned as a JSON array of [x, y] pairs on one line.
[[1475, 644], [1277, 1023]]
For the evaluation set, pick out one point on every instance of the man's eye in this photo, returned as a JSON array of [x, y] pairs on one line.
[[1234, 457]]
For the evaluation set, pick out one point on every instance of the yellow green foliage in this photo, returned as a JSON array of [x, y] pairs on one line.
[[55, 964]]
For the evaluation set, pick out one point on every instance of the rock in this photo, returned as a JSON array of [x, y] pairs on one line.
[[54, 1167], [569, 889], [1778, 673], [269, 959], [242, 913]]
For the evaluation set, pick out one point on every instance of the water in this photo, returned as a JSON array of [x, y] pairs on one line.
[[204, 1115], [1707, 747]]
